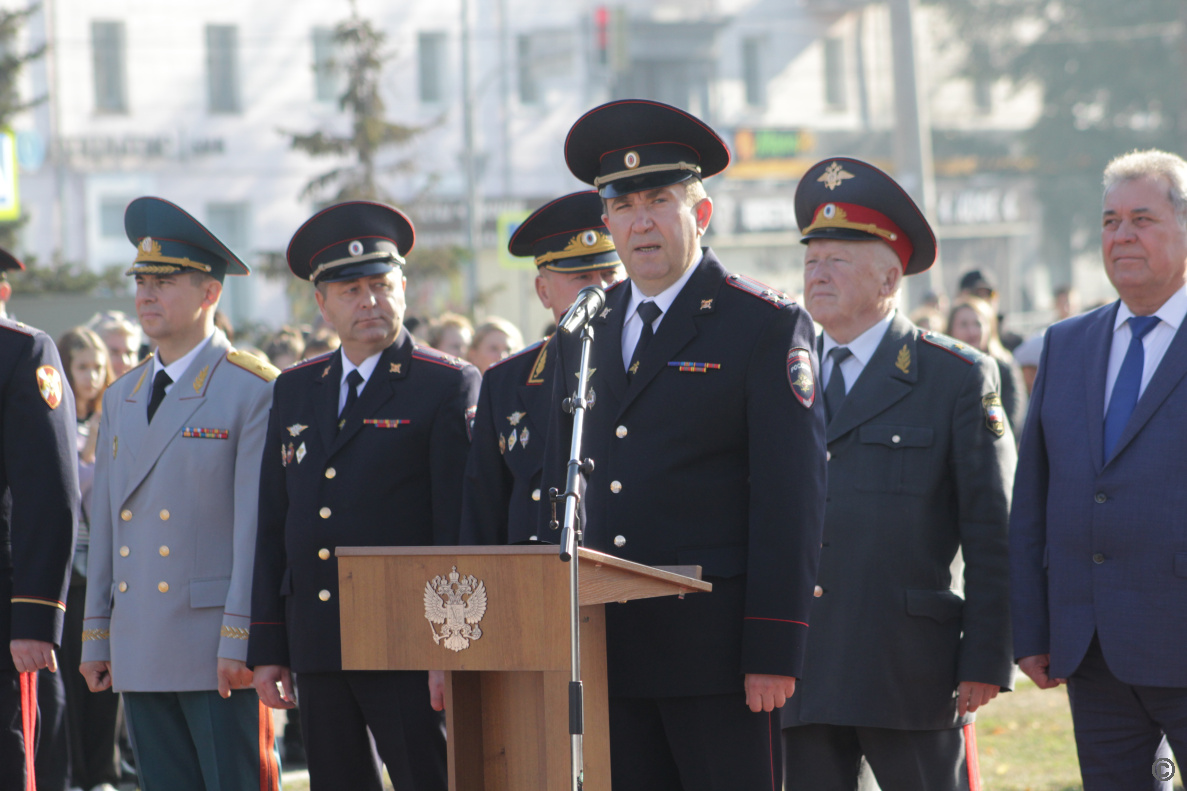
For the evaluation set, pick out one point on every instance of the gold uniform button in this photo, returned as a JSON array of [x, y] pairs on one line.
[[828, 455], [324, 595], [323, 553], [331, 472], [620, 432], [163, 587], [324, 513], [615, 487], [536, 494], [818, 591], [123, 587], [619, 541], [164, 514], [164, 550], [531, 538], [124, 552], [896, 439], [126, 515]]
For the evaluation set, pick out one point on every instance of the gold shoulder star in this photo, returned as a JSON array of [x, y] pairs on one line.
[[706, 304], [395, 369]]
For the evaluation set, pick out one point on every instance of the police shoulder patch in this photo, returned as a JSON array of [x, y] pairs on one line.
[[952, 346], [995, 413], [252, 364], [760, 290], [799, 374]]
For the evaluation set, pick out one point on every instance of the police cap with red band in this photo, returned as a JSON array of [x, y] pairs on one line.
[[566, 235], [850, 200], [9, 262], [350, 240], [633, 145]]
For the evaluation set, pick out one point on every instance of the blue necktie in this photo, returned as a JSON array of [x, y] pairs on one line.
[[1129, 382]]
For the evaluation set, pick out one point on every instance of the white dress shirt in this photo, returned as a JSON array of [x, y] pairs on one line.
[[1155, 344], [862, 348], [176, 369], [632, 326], [365, 369]]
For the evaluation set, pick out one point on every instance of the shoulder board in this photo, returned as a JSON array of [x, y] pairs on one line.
[[760, 290], [321, 358], [431, 355], [526, 350], [249, 362], [16, 326], [137, 366], [612, 286], [952, 346]]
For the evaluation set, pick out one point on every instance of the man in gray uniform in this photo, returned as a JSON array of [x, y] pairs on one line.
[[921, 461], [173, 527]]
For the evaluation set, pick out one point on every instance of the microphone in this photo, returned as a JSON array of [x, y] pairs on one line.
[[588, 304]]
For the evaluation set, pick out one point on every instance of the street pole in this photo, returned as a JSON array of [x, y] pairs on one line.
[[473, 218]]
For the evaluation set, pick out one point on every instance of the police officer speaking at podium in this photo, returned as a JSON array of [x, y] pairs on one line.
[[366, 446], [707, 436]]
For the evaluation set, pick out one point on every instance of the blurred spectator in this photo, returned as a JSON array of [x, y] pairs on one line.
[[451, 333], [1067, 304], [285, 348], [937, 301], [976, 283], [412, 324], [223, 322], [495, 340], [121, 337], [91, 718], [927, 317], [321, 341], [973, 321]]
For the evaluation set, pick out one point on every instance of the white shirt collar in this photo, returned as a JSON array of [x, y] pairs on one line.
[[1173, 311], [864, 345], [665, 298], [365, 369], [177, 368]]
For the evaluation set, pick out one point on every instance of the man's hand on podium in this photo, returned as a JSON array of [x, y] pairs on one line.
[[767, 693], [274, 685], [437, 689]]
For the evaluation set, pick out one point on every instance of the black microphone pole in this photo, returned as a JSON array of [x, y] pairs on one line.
[[589, 302]]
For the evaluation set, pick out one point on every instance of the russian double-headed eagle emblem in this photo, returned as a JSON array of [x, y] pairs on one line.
[[458, 604]]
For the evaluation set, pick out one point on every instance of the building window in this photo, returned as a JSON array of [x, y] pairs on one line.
[[327, 73], [222, 68], [834, 73], [111, 217], [431, 62], [529, 88], [111, 87], [752, 77], [229, 222]]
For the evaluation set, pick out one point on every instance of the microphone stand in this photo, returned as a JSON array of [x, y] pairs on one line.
[[571, 539]]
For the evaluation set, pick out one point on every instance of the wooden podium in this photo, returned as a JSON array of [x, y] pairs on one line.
[[506, 691]]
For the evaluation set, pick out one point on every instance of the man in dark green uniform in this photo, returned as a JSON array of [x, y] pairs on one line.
[[921, 461]]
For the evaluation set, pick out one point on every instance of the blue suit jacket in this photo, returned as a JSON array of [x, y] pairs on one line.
[[1101, 545]]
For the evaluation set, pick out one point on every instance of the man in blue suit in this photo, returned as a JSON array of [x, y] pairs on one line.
[[1098, 533]]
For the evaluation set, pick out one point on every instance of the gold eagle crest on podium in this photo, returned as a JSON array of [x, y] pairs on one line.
[[457, 603]]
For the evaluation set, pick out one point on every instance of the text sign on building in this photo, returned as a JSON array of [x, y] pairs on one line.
[[771, 153], [10, 197]]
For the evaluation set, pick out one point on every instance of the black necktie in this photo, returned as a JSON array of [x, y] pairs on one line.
[[648, 312], [834, 394], [353, 380], [159, 383]]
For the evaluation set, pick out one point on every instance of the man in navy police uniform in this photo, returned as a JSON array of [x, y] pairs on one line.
[[708, 441], [366, 446], [572, 249], [39, 484], [921, 460]]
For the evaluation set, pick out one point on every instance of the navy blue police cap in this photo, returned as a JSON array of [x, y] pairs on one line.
[[350, 240], [634, 144], [566, 235], [168, 240], [850, 200]]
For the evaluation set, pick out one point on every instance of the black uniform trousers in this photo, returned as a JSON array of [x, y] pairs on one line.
[[698, 743], [1121, 729], [405, 733], [829, 758]]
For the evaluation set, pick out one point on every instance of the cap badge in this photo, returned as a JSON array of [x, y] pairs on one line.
[[589, 238], [49, 383], [146, 244], [631, 160], [834, 174], [830, 211], [355, 247]]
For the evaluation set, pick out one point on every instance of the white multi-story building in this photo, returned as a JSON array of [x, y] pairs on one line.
[[189, 100]]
